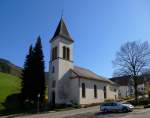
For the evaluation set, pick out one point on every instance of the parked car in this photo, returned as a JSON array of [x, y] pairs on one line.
[[116, 107]]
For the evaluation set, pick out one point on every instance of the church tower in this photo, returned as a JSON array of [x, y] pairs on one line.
[[61, 60]]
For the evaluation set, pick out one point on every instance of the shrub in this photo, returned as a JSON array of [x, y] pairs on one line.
[[128, 97], [75, 105], [140, 102]]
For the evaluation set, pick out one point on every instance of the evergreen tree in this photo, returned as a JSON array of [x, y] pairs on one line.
[[38, 71], [27, 83], [33, 76]]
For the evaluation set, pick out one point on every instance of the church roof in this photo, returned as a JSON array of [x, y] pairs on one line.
[[88, 74], [122, 81], [125, 80], [62, 31]]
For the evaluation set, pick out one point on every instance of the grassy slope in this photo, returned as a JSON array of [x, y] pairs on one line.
[[8, 85]]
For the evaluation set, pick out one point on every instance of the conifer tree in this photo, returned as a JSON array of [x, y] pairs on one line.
[[38, 71], [26, 90], [33, 76]]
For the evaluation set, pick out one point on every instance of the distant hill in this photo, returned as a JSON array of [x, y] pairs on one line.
[[10, 68]]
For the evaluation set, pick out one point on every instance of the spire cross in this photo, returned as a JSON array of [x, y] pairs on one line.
[[62, 12]]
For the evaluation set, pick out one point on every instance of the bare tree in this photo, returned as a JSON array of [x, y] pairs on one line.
[[133, 59]]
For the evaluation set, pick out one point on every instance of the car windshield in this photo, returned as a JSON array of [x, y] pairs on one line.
[[126, 103], [109, 104], [114, 104], [119, 103]]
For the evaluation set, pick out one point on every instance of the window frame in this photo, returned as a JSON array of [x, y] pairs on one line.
[[105, 92], [64, 52], [68, 53], [83, 90], [95, 91], [54, 53]]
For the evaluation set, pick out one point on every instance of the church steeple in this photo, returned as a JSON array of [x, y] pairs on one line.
[[62, 31], [61, 61]]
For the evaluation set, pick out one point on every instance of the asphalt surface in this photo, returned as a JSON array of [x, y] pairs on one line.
[[141, 113], [91, 112]]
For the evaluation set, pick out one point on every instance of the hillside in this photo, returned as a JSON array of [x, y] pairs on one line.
[[8, 85], [10, 68]]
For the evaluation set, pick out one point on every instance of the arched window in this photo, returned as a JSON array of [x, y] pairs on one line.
[[54, 53], [95, 91], [105, 92], [64, 52], [83, 90], [68, 54]]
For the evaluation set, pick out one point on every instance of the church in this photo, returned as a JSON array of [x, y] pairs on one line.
[[69, 83]]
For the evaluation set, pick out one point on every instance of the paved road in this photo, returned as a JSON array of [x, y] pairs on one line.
[[135, 114], [144, 114], [62, 114], [92, 112]]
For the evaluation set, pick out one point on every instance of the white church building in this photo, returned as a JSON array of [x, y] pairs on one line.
[[72, 84]]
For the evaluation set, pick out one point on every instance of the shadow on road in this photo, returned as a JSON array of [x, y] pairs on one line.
[[109, 113]]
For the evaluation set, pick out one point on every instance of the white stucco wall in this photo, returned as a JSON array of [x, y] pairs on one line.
[[61, 68], [141, 87], [89, 84], [112, 92], [64, 67], [74, 90], [125, 91]]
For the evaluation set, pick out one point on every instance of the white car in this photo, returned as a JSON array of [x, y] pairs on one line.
[[116, 107]]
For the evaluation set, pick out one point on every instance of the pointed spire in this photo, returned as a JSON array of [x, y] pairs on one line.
[[62, 31]]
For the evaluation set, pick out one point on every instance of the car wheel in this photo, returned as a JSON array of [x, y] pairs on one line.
[[105, 110], [131, 110], [125, 109]]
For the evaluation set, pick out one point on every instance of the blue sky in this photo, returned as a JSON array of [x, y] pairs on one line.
[[98, 27]]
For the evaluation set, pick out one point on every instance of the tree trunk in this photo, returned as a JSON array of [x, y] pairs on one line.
[[135, 89]]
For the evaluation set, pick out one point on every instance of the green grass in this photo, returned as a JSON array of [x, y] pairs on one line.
[[8, 85], [9, 88]]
